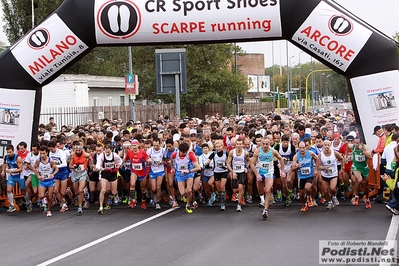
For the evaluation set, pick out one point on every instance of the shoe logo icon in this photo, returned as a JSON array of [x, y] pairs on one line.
[[39, 39], [119, 20], [340, 25]]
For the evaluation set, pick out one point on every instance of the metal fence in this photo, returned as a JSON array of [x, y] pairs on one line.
[[80, 115]]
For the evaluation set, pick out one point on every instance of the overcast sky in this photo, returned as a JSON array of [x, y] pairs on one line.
[[382, 15]]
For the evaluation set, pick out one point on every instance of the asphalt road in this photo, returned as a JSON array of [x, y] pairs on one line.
[[205, 237]]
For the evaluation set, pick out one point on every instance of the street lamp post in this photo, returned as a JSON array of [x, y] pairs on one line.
[[290, 84], [307, 84], [33, 14], [300, 81], [327, 87], [321, 87]]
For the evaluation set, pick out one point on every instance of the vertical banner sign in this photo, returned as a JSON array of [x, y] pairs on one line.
[[131, 84], [47, 49], [181, 21], [253, 83], [332, 35], [264, 83], [376, 98], [16, 115]]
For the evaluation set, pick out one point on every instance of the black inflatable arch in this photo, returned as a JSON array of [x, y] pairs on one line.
[[368, 59]]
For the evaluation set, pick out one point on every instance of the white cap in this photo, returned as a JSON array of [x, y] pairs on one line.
[[308, 131], [352, 133]]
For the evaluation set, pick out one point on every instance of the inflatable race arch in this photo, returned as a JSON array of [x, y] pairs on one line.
[[368, 59]]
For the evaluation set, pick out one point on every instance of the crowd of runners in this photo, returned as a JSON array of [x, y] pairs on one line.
[[258, 159]]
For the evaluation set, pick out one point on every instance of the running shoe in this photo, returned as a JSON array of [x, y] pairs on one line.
[[188, 209], [291, 196], [342, 198], [132, 204], [368, 204], [335, 201], [170, 201], [322, 200], [116, 200], [86, 193], [234, 197], [288, 201], [279, 196], [261, 204], [297, 197], [44, 209], [86, 205], [209, 203], [110, 200], [249, 199], [143, 205], [29, 207], [355, 201], [100, 210], [175, 204], [11, 209], [201, 200], [242, 201], [80, 210], [184, 198], [195, 205], [157, 206], [304, 208], [389, 208], [238, 209], [107, 207], [222, 207], [64, 208], [213, 197], [330, 205], [48, 214], [125, 200], [310, 202], [315, 203], [152, 202], [265, 214]]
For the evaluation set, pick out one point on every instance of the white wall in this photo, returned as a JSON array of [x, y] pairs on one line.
[[103, 96], [59, 94]]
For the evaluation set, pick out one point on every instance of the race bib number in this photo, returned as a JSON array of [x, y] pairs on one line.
[[156, 163], [220, 164], [360, 158], [127, 165], [80, 168], [265, 165], [46, 174], [109, 165], [328, 171], [305, 170], [57, 161], [239, 167], [182, 167], [137, 166]]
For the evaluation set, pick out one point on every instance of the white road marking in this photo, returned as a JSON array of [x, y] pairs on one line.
[[391, 235], [95, 242]]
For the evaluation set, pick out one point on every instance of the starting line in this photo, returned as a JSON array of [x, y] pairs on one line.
[[102, 239]]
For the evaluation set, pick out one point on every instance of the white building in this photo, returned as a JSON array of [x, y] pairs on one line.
[[85, 90]]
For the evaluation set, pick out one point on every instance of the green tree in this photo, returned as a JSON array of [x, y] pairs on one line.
[[18, 15]]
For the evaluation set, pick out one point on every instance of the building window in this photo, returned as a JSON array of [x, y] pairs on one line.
[[122, 100], [109, 101], [96, 101]]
